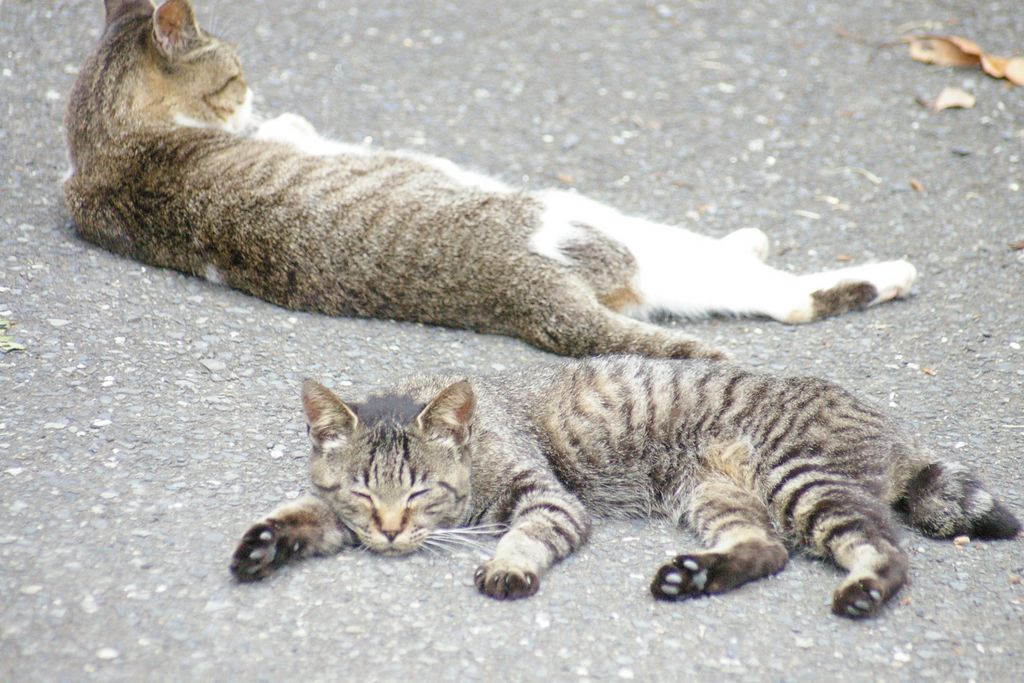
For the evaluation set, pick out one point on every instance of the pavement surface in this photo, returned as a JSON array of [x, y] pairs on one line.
[[151, 416]]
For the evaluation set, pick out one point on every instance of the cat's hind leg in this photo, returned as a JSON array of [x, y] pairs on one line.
[[292, 531], [686, 274], [840, 521], [734, 523]]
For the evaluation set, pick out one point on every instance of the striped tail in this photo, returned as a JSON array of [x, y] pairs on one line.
[[945, 499]]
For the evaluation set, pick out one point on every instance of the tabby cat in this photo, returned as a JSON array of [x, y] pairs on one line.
[[755, 464], [168, 166]]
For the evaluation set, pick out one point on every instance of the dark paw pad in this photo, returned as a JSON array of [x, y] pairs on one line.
[[262, 549], [503, 582], [857, 600], [686, 576]]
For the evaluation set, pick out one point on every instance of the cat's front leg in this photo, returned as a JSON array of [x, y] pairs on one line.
[[547, 524], [292, 531], [294, 130]]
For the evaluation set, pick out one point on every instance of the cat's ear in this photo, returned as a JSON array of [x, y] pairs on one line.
[[328, 417], [450, 413], [175, 27], [118, 8]]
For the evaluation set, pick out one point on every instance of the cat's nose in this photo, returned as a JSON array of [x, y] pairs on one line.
[[391, 535]]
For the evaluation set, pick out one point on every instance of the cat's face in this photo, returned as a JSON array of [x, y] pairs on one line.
[[392, 470], [183, 75]]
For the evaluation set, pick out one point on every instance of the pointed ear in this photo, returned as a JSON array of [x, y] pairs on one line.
[[450, 413], [118, 8], [175, 27], [328, 417]]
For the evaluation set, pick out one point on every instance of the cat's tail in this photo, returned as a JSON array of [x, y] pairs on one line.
[[945, 499]]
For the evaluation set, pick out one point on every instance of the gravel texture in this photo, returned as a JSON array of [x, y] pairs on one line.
[[152, 416]]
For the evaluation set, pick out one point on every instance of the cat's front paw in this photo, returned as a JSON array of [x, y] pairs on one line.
[[506, 581], [287, 127], [262, 550]]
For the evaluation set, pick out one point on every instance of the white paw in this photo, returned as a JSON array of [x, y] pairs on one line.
[[749, 241], [287, 127], [892, 279]]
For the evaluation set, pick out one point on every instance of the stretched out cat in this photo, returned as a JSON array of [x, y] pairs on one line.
[[168, 167], [754, 463]]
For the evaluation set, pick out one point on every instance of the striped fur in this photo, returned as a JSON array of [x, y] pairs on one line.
[[170, 168], [755, 464]]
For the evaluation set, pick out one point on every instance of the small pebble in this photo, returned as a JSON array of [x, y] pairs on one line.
[[213, 364], [108, 653]]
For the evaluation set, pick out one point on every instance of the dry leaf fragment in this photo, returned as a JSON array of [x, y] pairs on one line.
[[951, 98], [917, 185], [1015, 70], [945, 50], [844, 258], [1018, 245], [966, 45], [994, 66], [1010, 68], [928, 371], [960, 51]]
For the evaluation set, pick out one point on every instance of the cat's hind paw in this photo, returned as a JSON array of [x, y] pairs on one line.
[[684, 577], [262, 550], [823, 295], [505, 581], [859, 599], [689, 576]]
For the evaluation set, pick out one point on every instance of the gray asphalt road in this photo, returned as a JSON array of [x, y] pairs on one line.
[[151, 416]]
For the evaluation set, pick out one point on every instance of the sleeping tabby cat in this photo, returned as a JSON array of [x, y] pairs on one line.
[[170, 168], [754, 464]]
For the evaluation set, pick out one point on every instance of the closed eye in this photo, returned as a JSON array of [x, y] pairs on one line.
[[327, 489], [360, 494], [417, 494], [224, 87]]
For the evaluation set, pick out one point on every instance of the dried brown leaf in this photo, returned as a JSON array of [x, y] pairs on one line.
[[994, 66], [951, 98], [944, 51], [966, 45], [928, 371], [844, 258], [960, 51], [1018, 245], [1015, 70], [917, 185]]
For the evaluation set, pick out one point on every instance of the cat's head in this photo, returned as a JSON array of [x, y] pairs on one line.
[[392, 468], [156, 65]]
